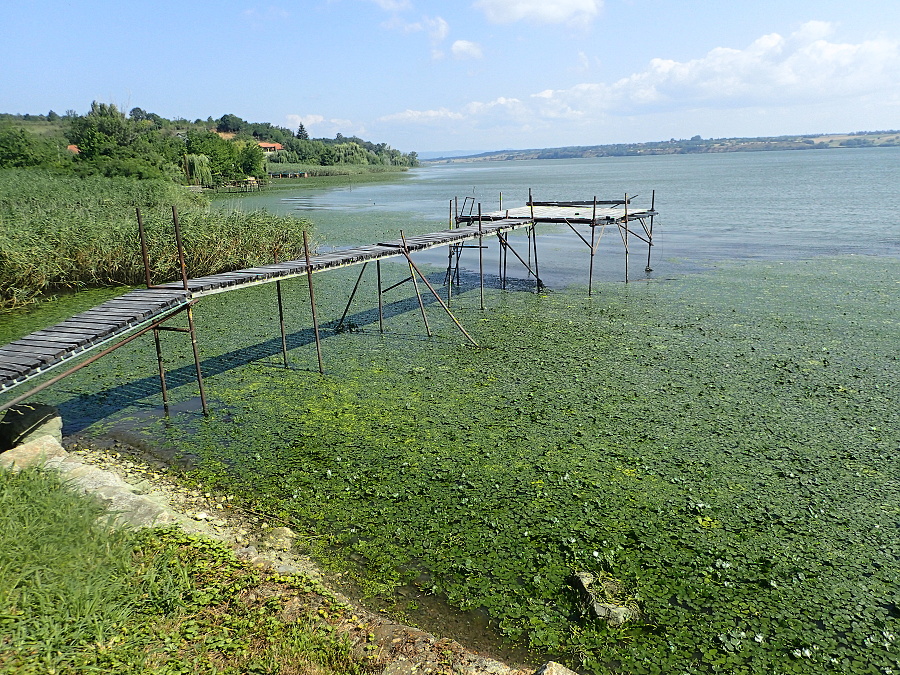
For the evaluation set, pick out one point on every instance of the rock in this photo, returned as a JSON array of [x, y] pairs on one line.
[[554, 668], [28, 421], [33, 453], [601, 596], [279, 538]]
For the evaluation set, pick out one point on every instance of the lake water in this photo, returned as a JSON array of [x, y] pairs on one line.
[[765, 205]]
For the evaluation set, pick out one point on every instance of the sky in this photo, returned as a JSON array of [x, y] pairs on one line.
[[437, 76]]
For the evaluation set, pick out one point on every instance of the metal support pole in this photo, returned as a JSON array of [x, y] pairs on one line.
[[95, 357], [312, 302], [190, 311], [626, 238], [156, 341], [436, 296], [593, 248], [415, 285], [380, 300], [480, 257], [281, 314], [352, 295], [450, 260], [650, 233]]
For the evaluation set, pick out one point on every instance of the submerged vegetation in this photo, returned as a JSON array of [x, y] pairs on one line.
[[63, 233], [722, 446]]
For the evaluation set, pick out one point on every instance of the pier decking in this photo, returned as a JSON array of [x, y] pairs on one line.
[[140, 311]]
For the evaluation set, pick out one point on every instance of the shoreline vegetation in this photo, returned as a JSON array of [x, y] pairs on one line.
[[694, 145], [63, 233], [69, 186]]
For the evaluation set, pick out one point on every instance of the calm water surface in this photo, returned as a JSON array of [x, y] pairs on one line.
[[765, 205]]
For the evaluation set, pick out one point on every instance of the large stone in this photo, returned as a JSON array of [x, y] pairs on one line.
[[28, 421], [34, 453]]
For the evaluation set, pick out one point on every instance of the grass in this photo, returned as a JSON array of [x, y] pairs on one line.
[[62, 233], [79, 597]]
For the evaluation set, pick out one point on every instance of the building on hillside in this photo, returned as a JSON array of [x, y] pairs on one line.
[[271, 147]]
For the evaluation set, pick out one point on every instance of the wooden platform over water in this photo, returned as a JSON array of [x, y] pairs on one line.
[[35, 354]]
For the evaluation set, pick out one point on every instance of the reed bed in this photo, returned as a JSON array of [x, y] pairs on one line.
[[61, 233], [335, 169]]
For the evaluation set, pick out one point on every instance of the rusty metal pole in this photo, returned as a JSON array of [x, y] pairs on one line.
[[626, 237], [89, 361], [412, 275], [650, 233], [312, 302], [190, 311], [352, 295], [450, 259], [156, 341], [281, 314], [480, 257], [380, 300], [438, 298], [593, 248]]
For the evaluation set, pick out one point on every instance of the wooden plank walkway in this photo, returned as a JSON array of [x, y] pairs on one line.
[[43, 350]]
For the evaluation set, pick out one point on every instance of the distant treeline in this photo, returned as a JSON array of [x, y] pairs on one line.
[[696, 145], [141, 144]]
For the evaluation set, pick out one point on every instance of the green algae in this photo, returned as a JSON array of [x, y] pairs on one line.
[[725, 445]]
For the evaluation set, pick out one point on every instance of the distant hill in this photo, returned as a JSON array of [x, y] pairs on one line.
[[695, 145]]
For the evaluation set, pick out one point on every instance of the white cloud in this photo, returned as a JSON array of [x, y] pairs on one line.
[[305, 120], [437, 28], [422, 116], [540, 11], [804, 81], [773, 70], [463, 49]]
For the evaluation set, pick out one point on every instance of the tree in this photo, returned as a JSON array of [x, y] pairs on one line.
[[301, 133], [252, 160], [230, 124], [19, 149]]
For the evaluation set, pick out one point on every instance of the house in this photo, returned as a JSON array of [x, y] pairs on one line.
[[271, 147]]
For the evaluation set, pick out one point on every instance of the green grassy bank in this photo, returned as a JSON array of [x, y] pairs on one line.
[[79, 597]]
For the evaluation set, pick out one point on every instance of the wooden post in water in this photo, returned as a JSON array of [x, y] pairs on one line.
[[159, 359], [190, 311], [280, 313], [412, 275], [312, 302]]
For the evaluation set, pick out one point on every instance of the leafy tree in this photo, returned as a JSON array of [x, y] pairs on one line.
[[252, 160], [18, 148], [230, 124], [224, 163]]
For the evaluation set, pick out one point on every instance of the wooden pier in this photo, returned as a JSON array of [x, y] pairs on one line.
[[117, 322]]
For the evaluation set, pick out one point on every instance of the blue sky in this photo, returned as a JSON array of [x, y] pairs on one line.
[[474, 75]]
